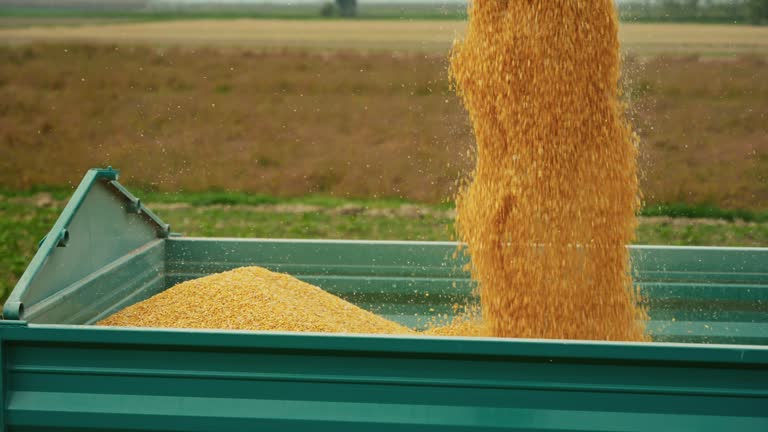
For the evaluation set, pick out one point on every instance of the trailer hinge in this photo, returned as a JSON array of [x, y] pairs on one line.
[[13, 311], [62, 242]]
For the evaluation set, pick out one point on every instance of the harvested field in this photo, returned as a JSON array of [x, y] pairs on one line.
[[25, 22], [344, 123], [412, 35], [654, 39], [365, 35]]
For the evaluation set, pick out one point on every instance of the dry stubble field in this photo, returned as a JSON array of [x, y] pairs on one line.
[[202, 105], [411, 35]]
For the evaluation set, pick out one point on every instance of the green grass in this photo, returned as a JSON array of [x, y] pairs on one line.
[[222, 197], [674, 210], [242, 222], [263, 11], [21, 227], [219, 197], [159, 15], [679, 233], [25, 219], [705, 211], [245, 199], [722, 15]]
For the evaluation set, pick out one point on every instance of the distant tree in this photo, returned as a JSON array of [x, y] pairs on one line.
[[328, 10], [758, 11], [730, 11], [691, 9], [347, 8], [670, 10]]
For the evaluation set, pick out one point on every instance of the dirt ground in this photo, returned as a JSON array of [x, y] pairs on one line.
[[289, 122]]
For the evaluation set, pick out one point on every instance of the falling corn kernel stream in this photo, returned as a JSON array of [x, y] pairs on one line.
[[553, 198]]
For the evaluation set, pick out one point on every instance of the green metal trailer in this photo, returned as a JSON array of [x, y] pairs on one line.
[[707, 369]]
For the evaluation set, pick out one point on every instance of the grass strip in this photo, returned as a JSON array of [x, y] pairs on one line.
[[25, 219]]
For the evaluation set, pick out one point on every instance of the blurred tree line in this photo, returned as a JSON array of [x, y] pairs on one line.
[[344, 8], [733, 11]]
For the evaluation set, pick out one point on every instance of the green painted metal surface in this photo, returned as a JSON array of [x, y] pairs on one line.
[[83, 378], [104, 247], [86, 378], [694, 294]]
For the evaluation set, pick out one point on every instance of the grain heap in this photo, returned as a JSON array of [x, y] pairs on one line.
[[252, 298], [553, 198], [464, 325]]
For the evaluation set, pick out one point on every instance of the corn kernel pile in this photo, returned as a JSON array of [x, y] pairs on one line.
[[461, 326], [553, 197], [252, 298]]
